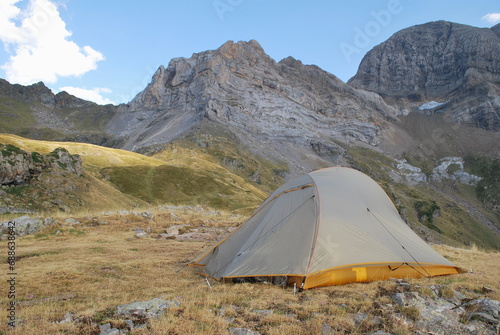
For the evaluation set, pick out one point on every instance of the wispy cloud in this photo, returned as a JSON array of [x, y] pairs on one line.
[[39, 44], [94, 94], [492, 18]]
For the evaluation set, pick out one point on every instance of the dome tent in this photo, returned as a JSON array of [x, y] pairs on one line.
[[329, 227]]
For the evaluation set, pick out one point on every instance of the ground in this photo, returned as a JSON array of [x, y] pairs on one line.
[[88, 265]]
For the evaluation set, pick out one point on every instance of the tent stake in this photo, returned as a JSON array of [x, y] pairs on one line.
[[208, 283]]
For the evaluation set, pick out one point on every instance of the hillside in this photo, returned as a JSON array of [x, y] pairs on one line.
[[119, 179]]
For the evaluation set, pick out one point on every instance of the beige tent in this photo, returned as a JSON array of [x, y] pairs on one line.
[[329, 227]]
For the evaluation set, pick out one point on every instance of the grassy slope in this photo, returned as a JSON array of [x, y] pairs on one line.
[[451, 222], [92, 269], [214, 143], [93, 156], [16, 117], [169, 178]]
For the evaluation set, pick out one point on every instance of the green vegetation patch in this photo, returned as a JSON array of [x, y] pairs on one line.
[[9, 150], [488, 189], [448, 221], [179, 185], [15, 115], [223, 148]]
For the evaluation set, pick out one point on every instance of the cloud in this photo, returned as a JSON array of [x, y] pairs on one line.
[[492, 18], [94, 94], [39, 44]]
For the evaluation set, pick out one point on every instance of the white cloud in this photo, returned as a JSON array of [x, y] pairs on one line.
[[94, 94], [40, 40], [492, 18]]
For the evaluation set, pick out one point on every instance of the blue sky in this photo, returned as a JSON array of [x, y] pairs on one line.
[[107, 50]]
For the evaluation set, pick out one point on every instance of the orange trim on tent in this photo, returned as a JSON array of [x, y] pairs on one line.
[[362, 274]]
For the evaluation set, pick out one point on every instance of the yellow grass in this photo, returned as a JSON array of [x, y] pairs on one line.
[[89, 270], [92, 155]]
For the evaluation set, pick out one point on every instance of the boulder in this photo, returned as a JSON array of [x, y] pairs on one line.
[[23, 225], [146, 309]]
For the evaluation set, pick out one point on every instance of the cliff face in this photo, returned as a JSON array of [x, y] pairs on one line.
[[274, 108], [455, 65]]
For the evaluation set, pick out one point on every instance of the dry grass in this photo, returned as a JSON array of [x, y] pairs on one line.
[[88, 270], [92, 155]]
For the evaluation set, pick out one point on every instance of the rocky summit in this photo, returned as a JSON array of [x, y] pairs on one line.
[[273, 107], [438, 67]]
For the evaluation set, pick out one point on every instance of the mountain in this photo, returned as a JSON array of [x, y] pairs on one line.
[[240, 124], [438, 67], [35, 112], [275, 109]]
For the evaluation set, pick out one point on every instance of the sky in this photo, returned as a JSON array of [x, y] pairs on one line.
[[106, 51]]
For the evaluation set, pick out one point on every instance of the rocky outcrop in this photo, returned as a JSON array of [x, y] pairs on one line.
[[453, 65], [18, 167], [24, 225]]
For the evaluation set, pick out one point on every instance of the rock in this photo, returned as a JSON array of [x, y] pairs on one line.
[[140, 234], [107, 330], [105, 327], [71, 221], [146, 309], [242, 90], [326, 329], [60, 158], [195, 237], [174, 230], [68, 318], [242, 331], [130, 324], [17, 166], [23, 225], [452, 168], [412, 174], [147, 215], [437, 315], [486, 310], [174, 217]]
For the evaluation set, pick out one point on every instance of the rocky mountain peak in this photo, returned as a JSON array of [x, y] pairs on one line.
[[250, 50], [430, 60], [438, 61], [240, 86], [496, 29]]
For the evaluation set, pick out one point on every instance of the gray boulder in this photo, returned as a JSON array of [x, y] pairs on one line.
[[146, 309], [23, 225]]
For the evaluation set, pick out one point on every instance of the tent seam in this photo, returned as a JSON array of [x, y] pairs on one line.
[[316, 226]]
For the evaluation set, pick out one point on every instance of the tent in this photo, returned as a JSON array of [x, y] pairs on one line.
[[329, 227]]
